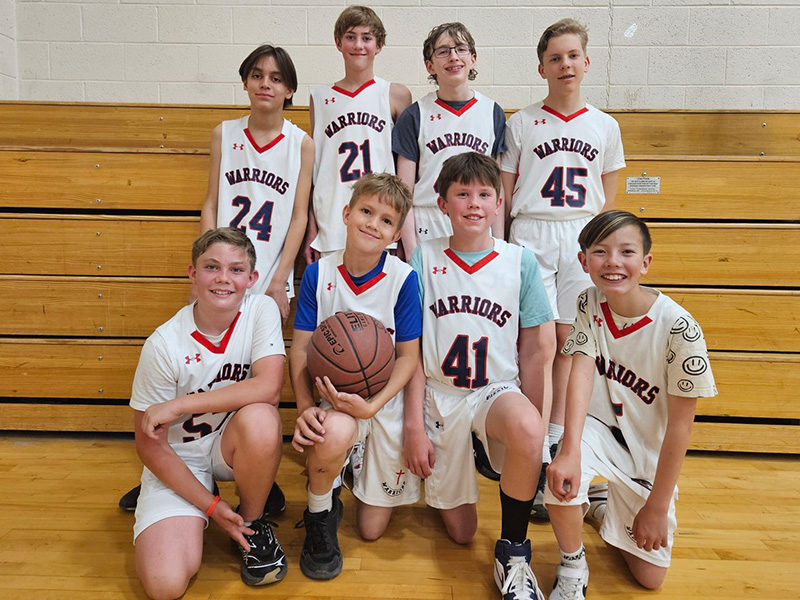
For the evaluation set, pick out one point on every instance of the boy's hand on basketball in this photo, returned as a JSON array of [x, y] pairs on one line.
[[308, 429], [232, 522], [277, 291], [156, 415], [564, 476], [650, 528], [419, 453], [351, 404]]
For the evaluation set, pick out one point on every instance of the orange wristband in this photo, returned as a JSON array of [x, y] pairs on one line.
[[212, 506]]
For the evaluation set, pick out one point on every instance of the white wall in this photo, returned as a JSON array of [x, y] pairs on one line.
[[645, 53]]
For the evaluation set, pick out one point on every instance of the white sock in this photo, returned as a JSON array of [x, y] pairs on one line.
[[554, 432], [546, 458], [576, 560], [321, 503]]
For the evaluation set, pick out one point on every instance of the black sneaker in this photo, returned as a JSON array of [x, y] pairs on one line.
[[321, 557], [482, 463], [129, 500], [539, 510], [276, 501], [265, 562]]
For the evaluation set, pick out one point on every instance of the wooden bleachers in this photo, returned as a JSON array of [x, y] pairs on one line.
[[99, 205]]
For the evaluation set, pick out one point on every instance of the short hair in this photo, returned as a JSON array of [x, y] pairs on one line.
[[562, 27], [224, 235], [282, 59], [460, 35], [468, 167], [357, 16], [389, 189], [604, 224]]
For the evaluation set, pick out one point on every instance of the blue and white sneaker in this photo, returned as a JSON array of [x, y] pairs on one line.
[[512, 571], [570, 583]]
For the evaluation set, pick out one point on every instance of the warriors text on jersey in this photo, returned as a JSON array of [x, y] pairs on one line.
[[470, 320], [177, 360], [257, 186], [560, 161], [638, 362], [353, 137]]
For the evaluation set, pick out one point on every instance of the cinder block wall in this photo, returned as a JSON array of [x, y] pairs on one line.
[[644, 53]]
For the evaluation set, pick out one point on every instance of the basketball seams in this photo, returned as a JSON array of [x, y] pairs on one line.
[[352, 347]]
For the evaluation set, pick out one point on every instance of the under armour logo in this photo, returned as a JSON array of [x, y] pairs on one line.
[[537, 121], [438, 270], [598, 320], [437, 116], [330, 100], [438, 425], [330, 286], [238, 146], [189, 359], [422, 230], [399, 474]]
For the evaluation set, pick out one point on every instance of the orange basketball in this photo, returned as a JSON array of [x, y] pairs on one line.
[[354, 350]]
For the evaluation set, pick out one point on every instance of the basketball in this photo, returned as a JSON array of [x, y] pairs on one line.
[[354, 350]]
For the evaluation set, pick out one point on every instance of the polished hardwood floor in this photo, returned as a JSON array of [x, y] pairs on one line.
[[62, 536]]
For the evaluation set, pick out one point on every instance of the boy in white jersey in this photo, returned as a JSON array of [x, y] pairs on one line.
[[562, 163], [639, 364], [481, 296], [260, 175], [351, 122], [363, 277], [205, 394], [446, 122]]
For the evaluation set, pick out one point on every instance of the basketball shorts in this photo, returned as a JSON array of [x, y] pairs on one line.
[[603, 456], [555, 244], [431, 223], [450, 420], [380, 475], [157, 501]]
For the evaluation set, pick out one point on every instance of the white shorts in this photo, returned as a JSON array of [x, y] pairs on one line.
[[431, 223], [380, 476], [555, 244], [157, 501], [450, 420], [602, 455]]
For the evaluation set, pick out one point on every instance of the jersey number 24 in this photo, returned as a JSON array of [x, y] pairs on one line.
[[261, 221]]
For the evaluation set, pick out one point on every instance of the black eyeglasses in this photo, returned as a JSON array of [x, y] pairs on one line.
[[444, 51]]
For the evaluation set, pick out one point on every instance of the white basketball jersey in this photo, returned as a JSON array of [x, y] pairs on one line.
[[560, 161], [638, 362], [446, 132], [353, 137], [257, 187], [177, 360], [470, 320], [377, 297]]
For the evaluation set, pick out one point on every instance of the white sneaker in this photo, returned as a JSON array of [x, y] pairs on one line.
[[598, 500], [512, 571], [570, 583]]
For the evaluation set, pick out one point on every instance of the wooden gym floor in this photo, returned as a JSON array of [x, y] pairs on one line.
[[62, 536]]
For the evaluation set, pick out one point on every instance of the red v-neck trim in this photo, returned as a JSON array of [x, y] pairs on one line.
[[612, 326], [261, 149], [336, 88], [223, 344], [564, 118], [471, 269], [460, 111], [359, 289]]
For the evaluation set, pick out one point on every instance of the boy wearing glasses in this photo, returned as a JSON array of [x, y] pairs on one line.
[[446, 122]]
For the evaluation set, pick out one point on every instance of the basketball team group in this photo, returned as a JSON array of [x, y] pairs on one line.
[[526, 349]]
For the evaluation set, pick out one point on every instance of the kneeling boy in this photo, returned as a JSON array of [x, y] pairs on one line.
[[481, 296], [362, 277], [640, 362], [205, 393]]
